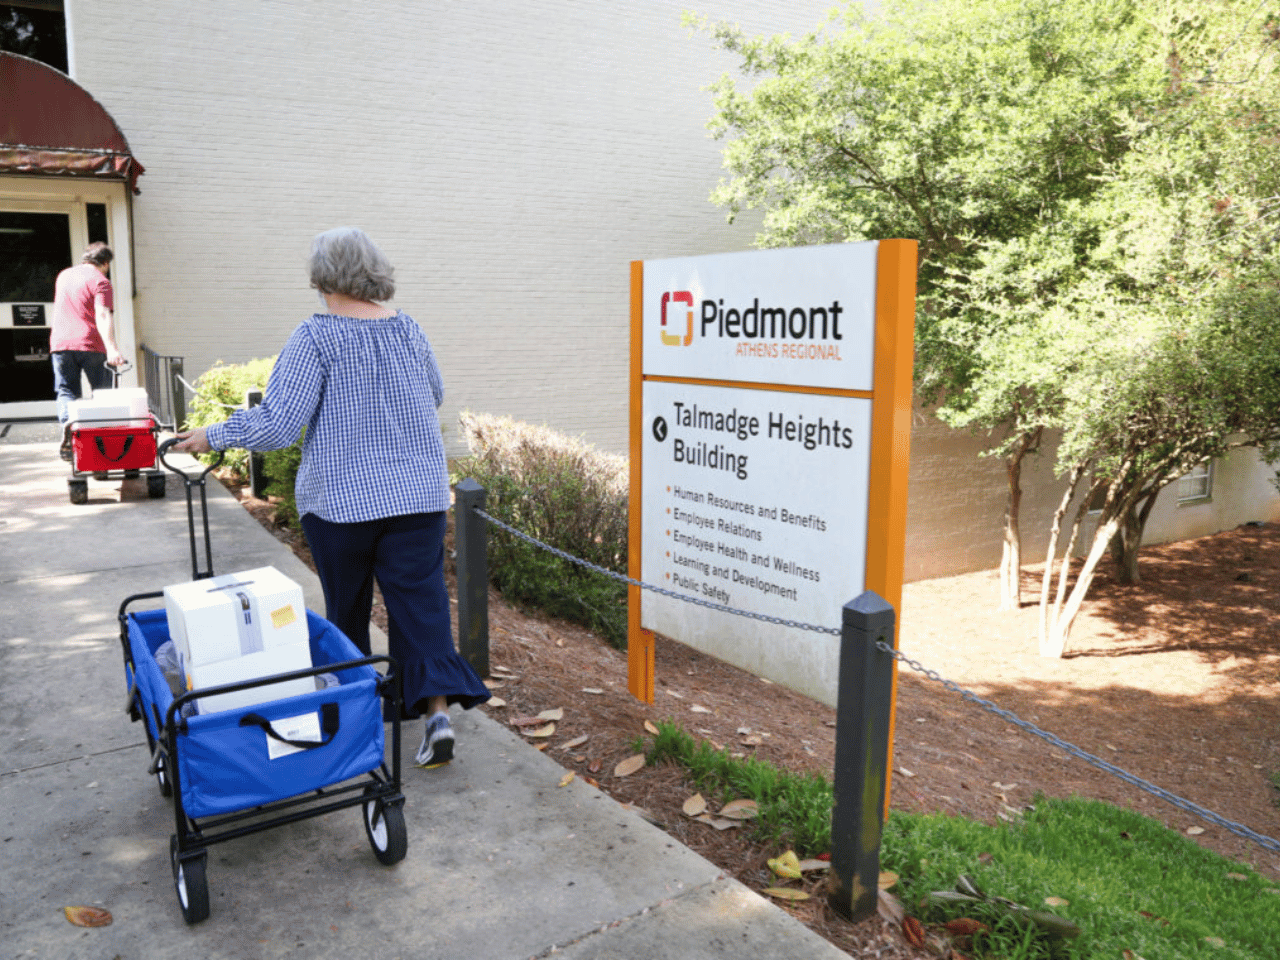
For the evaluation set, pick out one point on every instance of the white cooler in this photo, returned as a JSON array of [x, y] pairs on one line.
[[236, 627], [125, 407]]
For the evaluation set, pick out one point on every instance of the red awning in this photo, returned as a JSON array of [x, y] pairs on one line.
[[51, 126]]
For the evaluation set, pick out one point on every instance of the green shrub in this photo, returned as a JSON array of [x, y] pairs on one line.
[[565, 493], [221, 389]]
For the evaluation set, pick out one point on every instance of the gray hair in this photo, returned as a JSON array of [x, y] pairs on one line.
[[345, 260]]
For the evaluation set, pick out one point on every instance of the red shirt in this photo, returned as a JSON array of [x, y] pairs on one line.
[[76, 293]]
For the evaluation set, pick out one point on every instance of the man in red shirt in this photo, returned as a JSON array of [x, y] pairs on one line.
[[83, 336]]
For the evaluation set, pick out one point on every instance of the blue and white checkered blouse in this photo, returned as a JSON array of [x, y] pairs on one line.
[[367, 392]]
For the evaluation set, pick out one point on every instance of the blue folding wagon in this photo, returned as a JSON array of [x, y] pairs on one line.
[[240, 771]]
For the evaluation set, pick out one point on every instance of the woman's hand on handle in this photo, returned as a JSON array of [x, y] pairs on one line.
[[193, 441]]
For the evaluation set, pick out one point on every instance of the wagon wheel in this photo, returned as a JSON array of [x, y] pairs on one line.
[[162, 776], [384, 826], [190, 884], [155, 485], [78, 490]]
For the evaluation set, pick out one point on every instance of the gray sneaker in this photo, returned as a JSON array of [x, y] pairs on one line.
[[437, 742]]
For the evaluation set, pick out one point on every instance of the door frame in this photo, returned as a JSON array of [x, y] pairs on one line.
[[69, 195]]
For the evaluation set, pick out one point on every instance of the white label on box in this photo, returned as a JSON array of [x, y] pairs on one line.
[[305, 726]]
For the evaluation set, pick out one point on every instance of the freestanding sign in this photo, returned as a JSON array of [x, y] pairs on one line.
[[770, 431]]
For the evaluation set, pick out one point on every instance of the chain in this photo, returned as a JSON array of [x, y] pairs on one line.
[[1241, 831], [649, 586], [216, 403], [1199, 811]]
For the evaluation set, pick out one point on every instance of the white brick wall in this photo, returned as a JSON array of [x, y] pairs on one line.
[[510, 158]]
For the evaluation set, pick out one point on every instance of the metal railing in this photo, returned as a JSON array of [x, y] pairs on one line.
[[162, 377]]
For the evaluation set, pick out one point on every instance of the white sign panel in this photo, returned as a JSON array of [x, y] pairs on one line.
[[755, 500], [795, 317]]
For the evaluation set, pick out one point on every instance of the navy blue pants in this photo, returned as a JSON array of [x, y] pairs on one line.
[[406, 556]]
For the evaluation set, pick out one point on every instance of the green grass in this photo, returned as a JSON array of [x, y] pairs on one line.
[[1130, 883]]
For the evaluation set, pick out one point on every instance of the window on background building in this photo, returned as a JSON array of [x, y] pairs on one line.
[[35, 29], [1196, 483]]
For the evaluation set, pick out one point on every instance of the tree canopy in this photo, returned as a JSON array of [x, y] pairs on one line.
[[1096, 194]]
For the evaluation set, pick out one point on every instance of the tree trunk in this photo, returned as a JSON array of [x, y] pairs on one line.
[[1128, 537], [1011, 554], [1051, 554], [1060, 628]]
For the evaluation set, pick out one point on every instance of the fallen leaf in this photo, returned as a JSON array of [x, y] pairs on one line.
[[963, 927], [649, 726], [541, 746], [888, 880], [786, 893], [739, 809], [575, 742], [890, 907], [903, 771], [1002, 786], [526, 721], [594, 783], [496, 702], [567, 778], [1194, 831], [629, 766], [595, 690], [718, 822], [809, 866], [1236, 876], [695, 805], [559, 643], [744, 730], [1215, 941], [594, 766], [556, 714], [1056, 902], [985, 858], [541, 732], [87, 916], [913, 931], [1130, 955], [787, 865], [493, 684], [698, 708], [751, 741]]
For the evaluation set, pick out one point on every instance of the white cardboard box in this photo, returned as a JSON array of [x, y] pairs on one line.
[[295, 656], [240, 626], [125, 407]]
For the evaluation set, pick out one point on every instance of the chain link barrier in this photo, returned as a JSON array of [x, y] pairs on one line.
[[1267, 843]]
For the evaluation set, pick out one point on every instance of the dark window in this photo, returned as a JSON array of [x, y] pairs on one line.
[[96, 214], [35, 29], [34, 248]]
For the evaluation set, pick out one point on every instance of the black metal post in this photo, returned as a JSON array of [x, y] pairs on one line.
[[863, 705], [257, 478], [470, 537]]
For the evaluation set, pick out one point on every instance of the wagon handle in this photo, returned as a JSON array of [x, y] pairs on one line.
[[189, 481]]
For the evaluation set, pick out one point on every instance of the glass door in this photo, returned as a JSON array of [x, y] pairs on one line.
[[37, 240]]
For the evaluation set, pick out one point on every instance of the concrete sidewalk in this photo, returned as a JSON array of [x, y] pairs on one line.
[[502, 862]]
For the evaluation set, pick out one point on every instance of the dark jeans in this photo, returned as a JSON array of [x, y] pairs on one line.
[[406, 556], [67, 367]]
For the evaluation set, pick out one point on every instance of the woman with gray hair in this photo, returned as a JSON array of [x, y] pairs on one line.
[[372, 488]]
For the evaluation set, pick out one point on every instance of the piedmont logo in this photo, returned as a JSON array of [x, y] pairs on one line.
[[677, 339]]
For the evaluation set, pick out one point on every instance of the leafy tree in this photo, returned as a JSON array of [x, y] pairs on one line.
[[972, 126], [1175, 345], [1094, 188]]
